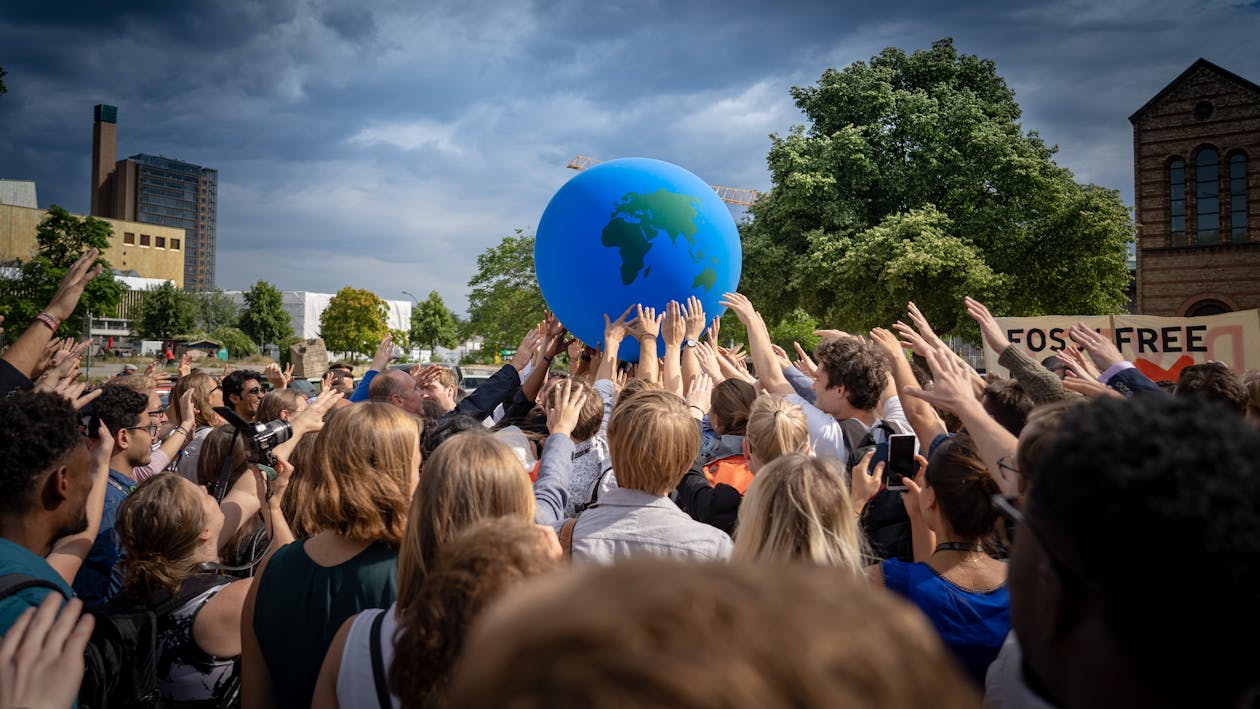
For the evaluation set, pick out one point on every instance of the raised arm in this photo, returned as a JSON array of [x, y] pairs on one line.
[[922, 417], [646, 326], [24, 354], [693, 314], [673, 332], [767, 365]]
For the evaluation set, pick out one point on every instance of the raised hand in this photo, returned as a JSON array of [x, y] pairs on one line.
[[1077, 362], [186, 362], [646, 323], [564, 408], [1100, 349], [864, 483], [741, 306], [912, 339], [1091, 388], [829, 335], [674, 326], [925, 328], [384, 353], [276, 376], [700, 394], [693, 312], [989, 328], [781, 356], [951, 383], [887, 342], [616, 330], [311, 418], [805, 365], [80, 273], [715, 328], [41, 656], [707, 357]]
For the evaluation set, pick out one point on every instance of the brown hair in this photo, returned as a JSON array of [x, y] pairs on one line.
[[635, 385], [142, 383], [592, 416], [728, 406], [652, 632], [1008, 403], [474, 568], [964, 488], [1038, 436], [362, 473], [776, 427], [470, 477], [798, 509], [859, 366], [202, 386], [1215, 382], [221, 443], [159, 525], [274, 402], [652, 440]]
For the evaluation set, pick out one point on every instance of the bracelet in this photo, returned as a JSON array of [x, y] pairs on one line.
[[50, 321], [546, 359], [697, 408], [181, 429]]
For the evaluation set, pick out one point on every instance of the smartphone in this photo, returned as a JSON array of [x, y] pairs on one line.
[[900, 460]]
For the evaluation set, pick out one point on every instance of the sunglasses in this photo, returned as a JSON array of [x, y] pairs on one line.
[[254, 391]]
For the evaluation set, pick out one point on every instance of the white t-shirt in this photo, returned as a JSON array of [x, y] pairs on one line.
[[356, 684], [826, 436]]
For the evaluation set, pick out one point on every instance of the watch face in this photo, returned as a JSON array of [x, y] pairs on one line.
[[690, 343]]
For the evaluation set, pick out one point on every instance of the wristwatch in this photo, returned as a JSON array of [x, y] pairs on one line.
[[689, 342]]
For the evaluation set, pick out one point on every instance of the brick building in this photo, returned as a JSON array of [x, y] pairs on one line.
[[1196, 165]]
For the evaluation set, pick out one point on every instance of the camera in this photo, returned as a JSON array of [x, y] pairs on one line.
[[262, 437]]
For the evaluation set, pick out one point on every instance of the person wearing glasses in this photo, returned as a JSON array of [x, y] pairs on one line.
[[243, 392], [125, 413]]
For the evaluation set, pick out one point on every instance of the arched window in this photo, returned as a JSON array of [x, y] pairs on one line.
[[1208, 197], [1207, 307], [1238, 198], [1177, 202]]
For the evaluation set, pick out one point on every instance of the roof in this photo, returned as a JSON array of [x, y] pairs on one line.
[[1199, 63]]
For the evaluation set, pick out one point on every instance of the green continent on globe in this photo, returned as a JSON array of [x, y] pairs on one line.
[[705, 278], [637, 219]]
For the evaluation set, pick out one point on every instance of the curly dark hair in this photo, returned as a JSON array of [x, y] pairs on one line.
[[120, 407], [434, 435], [477, 567], [39, 431], [858, 365], [234, 383], [1155, 500], [1214, 381]]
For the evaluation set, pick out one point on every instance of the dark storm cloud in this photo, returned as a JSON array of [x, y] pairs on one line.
[[385, 144]]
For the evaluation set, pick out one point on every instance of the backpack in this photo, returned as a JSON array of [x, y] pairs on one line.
[[122, 655], [884, 521], [731, 470]]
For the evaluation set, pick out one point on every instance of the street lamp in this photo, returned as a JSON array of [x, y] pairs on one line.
[[417, 300]]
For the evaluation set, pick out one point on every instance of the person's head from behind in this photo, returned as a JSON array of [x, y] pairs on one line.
[[363, 471], [1056, 365], [1213, 381], [728, 406], [1008, 403], [470, 477], [652, 441], [207, 395], [775, 427], [957, 491], [168, 526], [125, 412], [223, 450], [281, 405], [1037, 437], [798, 509], [767, 636], [477, 566], [1172, 482], [243, 392], [396, 387], [633, 386], [342, 380], [851, 377], [444, 428], [592, 415], [47, 470]]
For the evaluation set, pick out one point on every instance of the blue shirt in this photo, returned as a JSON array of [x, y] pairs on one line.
[[100, 577], [17, 559]]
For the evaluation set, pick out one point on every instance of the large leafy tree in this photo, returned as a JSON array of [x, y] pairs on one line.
[[915, 181], [213, 309], [165, 313], [433, 324], [263, 317], [355, 321], [61, 239], [505, 300]]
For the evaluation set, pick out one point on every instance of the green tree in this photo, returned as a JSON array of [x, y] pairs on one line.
[[433, 324], [61, 239], [796, 326], [263, 317], [213, 309], [355, 321], [236, 341], [505, 300], [165, 313], [915, 181]]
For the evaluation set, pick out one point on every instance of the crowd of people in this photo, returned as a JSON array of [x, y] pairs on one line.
[[871, 523]]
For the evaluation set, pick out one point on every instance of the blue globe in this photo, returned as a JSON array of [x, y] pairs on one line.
[[633, 231]]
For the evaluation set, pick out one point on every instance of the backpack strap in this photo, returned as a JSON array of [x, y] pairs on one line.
[[566, 537], [378, 662], [11, 584]]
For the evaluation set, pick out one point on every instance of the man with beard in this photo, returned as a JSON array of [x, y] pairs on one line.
[[125, 413], [44, 488]]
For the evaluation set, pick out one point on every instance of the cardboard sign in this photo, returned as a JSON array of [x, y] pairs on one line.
[[1159, 347]]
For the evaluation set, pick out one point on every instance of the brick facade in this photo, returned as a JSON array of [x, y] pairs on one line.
[[1191, 271]]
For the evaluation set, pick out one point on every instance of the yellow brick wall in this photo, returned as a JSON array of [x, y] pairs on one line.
[[17, 241]]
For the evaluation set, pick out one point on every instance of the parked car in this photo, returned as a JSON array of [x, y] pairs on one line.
[[472, 375]]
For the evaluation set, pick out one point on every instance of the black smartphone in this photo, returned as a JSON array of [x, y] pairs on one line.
[[900, 460]]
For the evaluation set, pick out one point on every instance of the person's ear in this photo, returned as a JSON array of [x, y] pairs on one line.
[[56, 487], [928, 496], [122, 439]]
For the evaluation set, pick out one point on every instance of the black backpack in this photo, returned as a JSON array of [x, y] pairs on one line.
[[122, 656], [884, 521]]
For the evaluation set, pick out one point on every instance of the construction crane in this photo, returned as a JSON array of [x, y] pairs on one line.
[[730, 195]]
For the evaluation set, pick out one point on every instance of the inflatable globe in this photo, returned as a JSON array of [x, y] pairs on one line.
[[633, 231]]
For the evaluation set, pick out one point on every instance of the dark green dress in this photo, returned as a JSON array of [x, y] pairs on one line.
[[300, 605]]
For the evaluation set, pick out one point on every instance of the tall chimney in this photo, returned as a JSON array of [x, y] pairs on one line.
[[104, 155]]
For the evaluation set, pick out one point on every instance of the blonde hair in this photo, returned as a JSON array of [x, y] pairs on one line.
[[142, 383], [776, 427], [361, 475], [470, 477], [160, 524], [202, 386], [798, 509], [275, 402], [652, 441]]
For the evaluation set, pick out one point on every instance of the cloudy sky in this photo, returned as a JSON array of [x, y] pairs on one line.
[[385, 144]]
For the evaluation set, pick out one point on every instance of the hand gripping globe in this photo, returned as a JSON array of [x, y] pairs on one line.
[[633, 231]]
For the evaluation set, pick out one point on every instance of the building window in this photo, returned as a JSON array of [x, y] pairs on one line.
[[144, 239], [129, 238], [1177, 202], [1208, 197], [174, 244], [160, 242], [1238, 198]]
